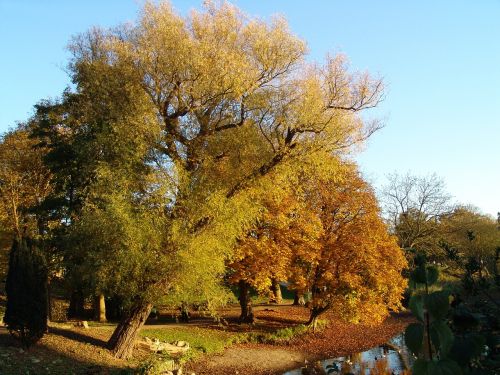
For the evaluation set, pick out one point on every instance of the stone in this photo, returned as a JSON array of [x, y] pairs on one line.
[[82, 323], [156, 346]]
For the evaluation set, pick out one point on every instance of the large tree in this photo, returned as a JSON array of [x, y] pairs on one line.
[[356, 267], [414, 206], [224, 103]]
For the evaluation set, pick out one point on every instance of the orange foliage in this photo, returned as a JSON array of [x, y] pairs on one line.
[[356, 270], [267, 250], [326, 236]]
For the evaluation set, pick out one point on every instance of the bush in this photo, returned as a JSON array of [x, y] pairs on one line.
[[26, 287]]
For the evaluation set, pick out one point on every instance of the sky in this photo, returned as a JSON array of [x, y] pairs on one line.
[[440, 61]]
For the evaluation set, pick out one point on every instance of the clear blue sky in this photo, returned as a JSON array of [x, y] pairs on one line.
[[440, 59]]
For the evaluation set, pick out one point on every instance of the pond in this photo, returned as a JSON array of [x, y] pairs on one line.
[[392, 357]]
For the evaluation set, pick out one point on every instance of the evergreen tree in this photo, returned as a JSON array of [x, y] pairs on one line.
[[26, 287]]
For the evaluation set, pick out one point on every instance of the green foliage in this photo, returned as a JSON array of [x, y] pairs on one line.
[[156, 365], [432, 339], [467, 348], [414, 336], [437, 304], [26, 287], [439, 367], [417, 306], [423, 274], [442, 336]]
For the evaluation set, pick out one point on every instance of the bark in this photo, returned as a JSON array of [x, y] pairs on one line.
[[184, 313], [100, 308], [276, 290], [76, 307], [245, 303], [298, 299], [122, 341], [313, 318], [49, 303]]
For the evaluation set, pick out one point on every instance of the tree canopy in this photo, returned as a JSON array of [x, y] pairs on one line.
[[186, 144]]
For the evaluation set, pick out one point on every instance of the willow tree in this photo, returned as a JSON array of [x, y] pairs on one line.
[[236, 103]]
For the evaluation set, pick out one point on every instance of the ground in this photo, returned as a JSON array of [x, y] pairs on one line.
[[67, 349], [337, 339]]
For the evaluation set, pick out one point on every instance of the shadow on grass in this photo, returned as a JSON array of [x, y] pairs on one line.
[[77, 336], [41, 359]]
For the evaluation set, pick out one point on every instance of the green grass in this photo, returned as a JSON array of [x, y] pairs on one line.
[[206, 341], [201, 340]]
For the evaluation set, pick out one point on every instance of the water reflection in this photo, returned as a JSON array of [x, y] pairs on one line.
[[390, 358]]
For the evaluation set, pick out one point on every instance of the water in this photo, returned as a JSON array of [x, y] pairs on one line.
[[394, 356]]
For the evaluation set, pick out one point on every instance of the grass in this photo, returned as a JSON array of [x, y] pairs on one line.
[[207, 341], [201, 340]]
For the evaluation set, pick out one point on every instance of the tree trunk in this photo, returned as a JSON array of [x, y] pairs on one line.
[[298, 299], [100, 308], [49, 303], [497, 263], [122, 341], [76, 307], [184, 318], [313, 318], [245, 303], [276, 290]]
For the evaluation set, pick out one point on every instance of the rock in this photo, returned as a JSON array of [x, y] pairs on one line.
[[82, 323], [156, 346], [181, 344]]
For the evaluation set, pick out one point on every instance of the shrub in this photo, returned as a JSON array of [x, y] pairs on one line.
[[26, 287]]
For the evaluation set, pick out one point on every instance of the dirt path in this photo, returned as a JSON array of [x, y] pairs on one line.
[[248, 360]]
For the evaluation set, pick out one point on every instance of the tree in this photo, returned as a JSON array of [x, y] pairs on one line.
[[24, 182], [357, 266], [26, 287], [263, 256], [214, 94], [473, 239], [414, 207]]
